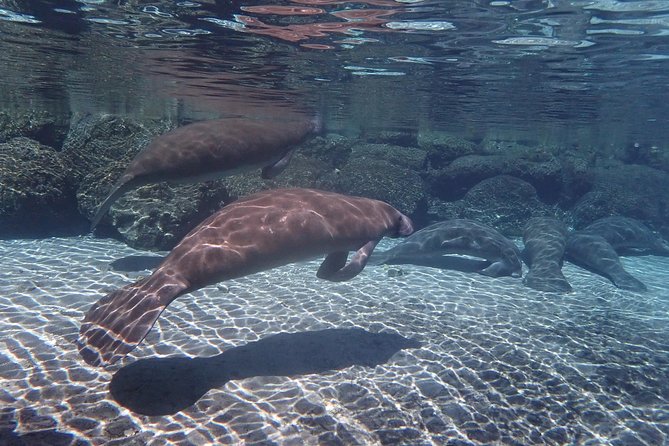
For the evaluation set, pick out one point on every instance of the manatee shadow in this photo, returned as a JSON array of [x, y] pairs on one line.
[[39, 436], [136, 263], [163, 386]]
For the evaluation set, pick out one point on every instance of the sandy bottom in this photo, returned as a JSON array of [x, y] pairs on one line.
[[498, 363]]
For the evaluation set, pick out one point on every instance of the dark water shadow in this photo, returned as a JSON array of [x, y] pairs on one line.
[[42, 431], [163, 386], [136, 263]]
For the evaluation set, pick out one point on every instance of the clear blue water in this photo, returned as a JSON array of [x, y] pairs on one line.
[[589, 72]]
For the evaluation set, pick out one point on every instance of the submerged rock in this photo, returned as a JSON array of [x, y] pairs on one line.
[[151, 217], [94, 141], [503, 202], [629, 190], [40, 126], [383, 172], [36, 199], [453, 182], [444, 147]]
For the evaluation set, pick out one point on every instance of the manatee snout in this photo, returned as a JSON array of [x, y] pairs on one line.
[[406, 226]]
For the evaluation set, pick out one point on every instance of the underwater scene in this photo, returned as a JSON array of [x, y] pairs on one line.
[[328, 222]]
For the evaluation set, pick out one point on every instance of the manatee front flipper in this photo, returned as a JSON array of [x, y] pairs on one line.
[[275, 169], [335, 269], [499, 269], [118, 322]]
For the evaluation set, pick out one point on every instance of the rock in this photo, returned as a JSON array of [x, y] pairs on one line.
[[383, 172], [503, 202], [444, 147], [452, 182], [396, 138], [156, 216], [302, 171], [577, 179], [96, 140], [36, 199], [646, 154], [456, 412], [627, 190], [332, 149], [37, 125]]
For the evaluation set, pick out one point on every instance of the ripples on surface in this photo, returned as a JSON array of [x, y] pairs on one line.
[[498, 363], [573, 68]]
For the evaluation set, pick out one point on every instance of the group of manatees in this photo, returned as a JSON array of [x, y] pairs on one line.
[[252, 234], [277, 227], [547, 243]]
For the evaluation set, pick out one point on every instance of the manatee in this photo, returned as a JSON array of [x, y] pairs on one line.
[[212, 149], [595, 254], [628, 236], [545, 240], [255, 233], [431, 245]]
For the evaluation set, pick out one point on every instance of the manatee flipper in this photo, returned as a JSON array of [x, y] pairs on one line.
[[626, 281], [498, 269], [123, 185], [549, 281], [335, 269], [276, 168], [594, 253], [118, 322]]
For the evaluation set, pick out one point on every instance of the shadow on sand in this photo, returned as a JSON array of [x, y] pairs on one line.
[[163, 386]]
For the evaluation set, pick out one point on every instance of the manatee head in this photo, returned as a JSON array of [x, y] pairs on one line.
[[403, 226]]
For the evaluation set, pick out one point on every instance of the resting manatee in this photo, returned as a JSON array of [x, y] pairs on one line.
[[595, 254], [628, 236], [430, 246], [545, 240], [255, 233], [212, 149]]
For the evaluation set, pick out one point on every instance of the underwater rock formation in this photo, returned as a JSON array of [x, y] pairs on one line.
[[395, 138], [383, 172], [504, 202], [452, 182], [155, 216], [35, 196], [625, 189], [40, 126], [94, 141], [444, 147]]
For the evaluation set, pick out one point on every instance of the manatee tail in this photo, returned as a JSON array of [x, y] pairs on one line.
[[118, 322], [549, 281], [625, 281], [123, 185]]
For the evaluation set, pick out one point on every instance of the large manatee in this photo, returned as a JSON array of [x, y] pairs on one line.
[[256, 233]]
